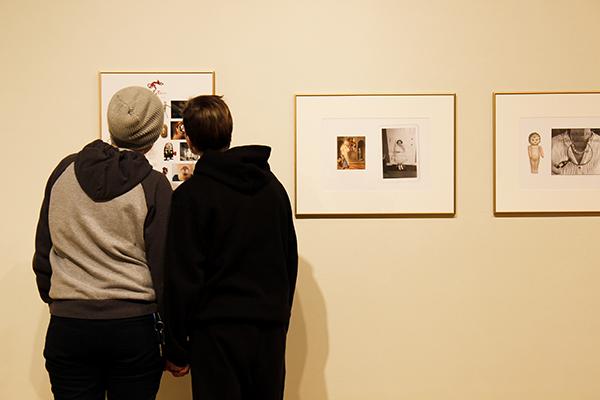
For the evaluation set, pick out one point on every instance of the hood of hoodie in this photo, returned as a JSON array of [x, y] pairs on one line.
[[104, 172], [244, 169]]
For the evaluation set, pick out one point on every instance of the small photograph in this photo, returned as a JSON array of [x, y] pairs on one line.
[[164, 131], [177, 132], [185, 153], [399, 147], [351, 152], [182, 172], [177, 108], [169, 152], [535, 151], [575, 151]]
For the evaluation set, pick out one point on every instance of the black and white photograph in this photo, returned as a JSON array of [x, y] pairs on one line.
[[399, 148], [185, 153], [576, 151], [177, 108]]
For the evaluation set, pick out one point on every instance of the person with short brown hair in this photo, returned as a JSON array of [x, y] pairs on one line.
[[232, 262]]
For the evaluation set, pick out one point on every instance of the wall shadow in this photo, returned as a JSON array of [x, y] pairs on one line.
[[308, 340], [37, 371]]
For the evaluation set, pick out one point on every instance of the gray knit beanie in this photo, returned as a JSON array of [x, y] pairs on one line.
[[135, 118]]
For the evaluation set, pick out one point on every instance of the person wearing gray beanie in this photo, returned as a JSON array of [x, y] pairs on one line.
[[135, 118], [99, 257]]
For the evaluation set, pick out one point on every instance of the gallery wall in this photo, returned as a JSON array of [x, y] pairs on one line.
[[470, 307]]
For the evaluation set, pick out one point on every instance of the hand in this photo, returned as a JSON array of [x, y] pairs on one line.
[[176, 370]]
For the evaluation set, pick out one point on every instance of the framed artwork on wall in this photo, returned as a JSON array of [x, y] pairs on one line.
[[546, 153], [381, 155], [170, 154]]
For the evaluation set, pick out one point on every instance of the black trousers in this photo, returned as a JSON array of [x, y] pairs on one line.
[[233, 361], [91, 359]]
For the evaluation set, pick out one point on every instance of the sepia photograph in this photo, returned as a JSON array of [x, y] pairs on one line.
[[399, 148], [182, 172], [169, 152], [351, 152], [177, 132], [576, 151]]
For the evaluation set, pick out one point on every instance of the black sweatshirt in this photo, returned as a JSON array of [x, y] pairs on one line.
[[231, 247]]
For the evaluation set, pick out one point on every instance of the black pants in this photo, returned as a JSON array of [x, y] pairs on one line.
[[88, 359], [232, 361]]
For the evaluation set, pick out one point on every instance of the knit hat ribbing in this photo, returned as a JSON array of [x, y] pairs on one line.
[[135, 118]]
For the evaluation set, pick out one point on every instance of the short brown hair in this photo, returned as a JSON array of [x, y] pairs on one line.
[[208, 123]]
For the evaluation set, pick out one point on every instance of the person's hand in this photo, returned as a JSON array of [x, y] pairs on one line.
[[176, 370]]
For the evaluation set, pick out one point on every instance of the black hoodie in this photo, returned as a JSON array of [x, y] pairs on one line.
[[231, 247], [101, 233]]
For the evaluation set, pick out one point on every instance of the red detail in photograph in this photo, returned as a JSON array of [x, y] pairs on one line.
[[154, 85]]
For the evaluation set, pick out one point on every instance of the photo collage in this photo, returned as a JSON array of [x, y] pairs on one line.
[[398, 155], [174, 157], [573, 151], [170, 154]]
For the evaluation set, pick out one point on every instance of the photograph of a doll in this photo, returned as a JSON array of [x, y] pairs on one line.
[[535, 151]]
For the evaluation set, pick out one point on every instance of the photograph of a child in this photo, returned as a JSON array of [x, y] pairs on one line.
[[399, 148], [575, 151], [351, 152], [177, 108], [185, 153], [182, 172], [177, 132]]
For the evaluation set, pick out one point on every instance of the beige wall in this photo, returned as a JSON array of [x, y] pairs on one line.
[[478, 308]]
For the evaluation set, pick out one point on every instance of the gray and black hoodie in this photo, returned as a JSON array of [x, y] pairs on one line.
[[100, 238]]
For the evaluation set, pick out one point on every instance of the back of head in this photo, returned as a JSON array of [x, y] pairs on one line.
[[207, 122], [135, 118]]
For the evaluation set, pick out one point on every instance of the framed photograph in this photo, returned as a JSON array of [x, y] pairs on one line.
[[170, 154], [390, 155], [547, 153]]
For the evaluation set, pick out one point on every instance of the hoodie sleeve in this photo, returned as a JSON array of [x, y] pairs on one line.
[[43, 240], [292, 258], [158, 199], [184, 278]]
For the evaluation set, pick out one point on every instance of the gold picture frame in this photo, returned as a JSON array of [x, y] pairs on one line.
[[550, 181], [415, 179]]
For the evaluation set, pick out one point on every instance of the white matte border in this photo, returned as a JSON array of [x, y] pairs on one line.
[[324, 191], [518, 192]]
